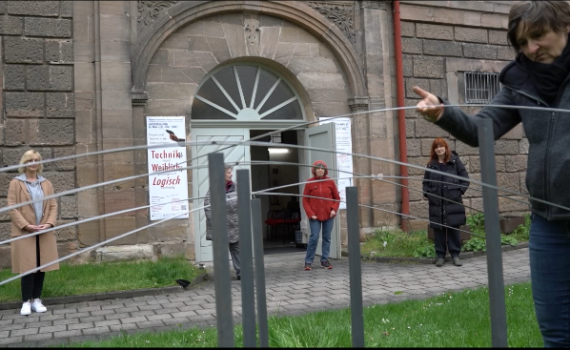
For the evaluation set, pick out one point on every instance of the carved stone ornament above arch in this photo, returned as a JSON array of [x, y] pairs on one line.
[[171, 16]]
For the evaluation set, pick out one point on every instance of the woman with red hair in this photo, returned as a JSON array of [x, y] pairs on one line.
[[446, 210]]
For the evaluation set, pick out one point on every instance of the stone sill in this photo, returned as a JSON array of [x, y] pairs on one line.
[[462, 256], [110, 295]]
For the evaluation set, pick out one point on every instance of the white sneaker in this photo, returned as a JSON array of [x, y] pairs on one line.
[[26, 309], [37, 306]]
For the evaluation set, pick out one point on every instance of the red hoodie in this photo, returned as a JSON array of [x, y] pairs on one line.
[[325, 189]]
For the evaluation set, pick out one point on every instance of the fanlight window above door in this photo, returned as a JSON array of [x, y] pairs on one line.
[[246, 92]]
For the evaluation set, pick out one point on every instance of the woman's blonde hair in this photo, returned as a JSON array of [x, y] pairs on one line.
[[29, 155]]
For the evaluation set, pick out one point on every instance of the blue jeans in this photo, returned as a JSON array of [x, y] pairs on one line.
[[314, 239], [549, 252]]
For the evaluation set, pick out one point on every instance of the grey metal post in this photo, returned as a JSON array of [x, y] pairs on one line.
[[220, 244], [354, 267], [246, 258], [492, 233], [259, 273]]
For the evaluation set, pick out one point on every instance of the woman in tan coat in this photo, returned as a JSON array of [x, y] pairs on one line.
[[32, 252]]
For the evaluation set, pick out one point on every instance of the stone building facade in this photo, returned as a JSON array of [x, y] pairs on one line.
[[81, 76]]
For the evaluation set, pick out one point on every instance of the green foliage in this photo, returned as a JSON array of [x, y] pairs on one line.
[[475, 244], [508, 240], [427, 251], [476, 222], [523, 231], [455, 320]]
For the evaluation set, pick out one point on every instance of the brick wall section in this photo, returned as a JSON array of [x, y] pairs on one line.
[[38, 109], [431, 38]]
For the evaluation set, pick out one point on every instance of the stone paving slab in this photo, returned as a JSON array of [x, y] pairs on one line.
[[290, 291]]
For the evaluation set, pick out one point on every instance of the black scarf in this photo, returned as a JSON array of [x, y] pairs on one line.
[[547, 77]]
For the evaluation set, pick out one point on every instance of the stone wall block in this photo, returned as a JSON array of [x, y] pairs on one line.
[[408, 29], [17, 134], [438, 87], [523, 146], [498, 37], [480, 51], [413, 147], [464, 150], [59, 51], [510, 181], [442, 48], [67, 233], [24, 104], [14, 77], [427, 129], [505, 53], [411, 45], [23, 50], [517, 163], [58, 28], [68, 207], [5, 179], [5, 229], [11, 25], [68, 164], [34, 8], [428, 67], [171, 250], [408, 62], [419, 161], [66, 9], [434, 31], [506, 147], [4, 216], [60, 105], [168, 234], [50, 78], [56, 132], [219, 48], [61, 181], [471, 35]]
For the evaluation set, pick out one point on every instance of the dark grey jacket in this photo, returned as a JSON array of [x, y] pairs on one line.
[[443, 211], [232, 215], [548, 133]]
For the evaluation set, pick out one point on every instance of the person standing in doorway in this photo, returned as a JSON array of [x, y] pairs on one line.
[[320, 211], [446, 210], [35, 251], [231, 219]]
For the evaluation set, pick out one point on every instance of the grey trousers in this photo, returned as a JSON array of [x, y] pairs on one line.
[[234, 251]]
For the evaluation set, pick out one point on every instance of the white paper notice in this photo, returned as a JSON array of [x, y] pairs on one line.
[[170, 189], [344, 161]]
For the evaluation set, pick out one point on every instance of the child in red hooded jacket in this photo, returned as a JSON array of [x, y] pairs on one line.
[[321, 212]]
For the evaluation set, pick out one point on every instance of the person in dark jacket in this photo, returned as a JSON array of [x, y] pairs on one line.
[[321, 212], [538, 77], [232, 219], [445, 202]]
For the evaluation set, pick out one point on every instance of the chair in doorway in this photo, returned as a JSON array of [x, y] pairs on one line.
[[282, 220]]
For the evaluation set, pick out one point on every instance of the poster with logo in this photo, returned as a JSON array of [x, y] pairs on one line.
[[344, 161], [168, 189]]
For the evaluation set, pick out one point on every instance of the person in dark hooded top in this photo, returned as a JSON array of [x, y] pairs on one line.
[[321, 212], [445, 202], [538, 78]]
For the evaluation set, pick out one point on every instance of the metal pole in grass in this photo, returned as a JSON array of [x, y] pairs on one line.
[[492, 234], [259, 273], [246, 258], [354, 267], [224, 317]]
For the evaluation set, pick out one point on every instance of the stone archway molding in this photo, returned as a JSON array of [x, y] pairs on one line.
[[295, 12]]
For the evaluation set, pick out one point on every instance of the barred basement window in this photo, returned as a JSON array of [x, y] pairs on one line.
[[480, 87]]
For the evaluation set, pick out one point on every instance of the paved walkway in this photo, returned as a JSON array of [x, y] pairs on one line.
[[290, 290]]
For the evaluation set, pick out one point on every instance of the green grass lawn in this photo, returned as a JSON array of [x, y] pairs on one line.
[[449, 320], [105, 277]]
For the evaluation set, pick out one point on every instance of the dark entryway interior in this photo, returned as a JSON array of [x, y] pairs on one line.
[[280, 211]]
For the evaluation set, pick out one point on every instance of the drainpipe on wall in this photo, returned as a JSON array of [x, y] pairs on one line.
[[401, 114]]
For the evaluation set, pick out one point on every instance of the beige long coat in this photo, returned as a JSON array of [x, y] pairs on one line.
[[24, 250]]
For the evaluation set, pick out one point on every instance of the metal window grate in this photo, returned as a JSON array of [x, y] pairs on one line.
[[481, 87]]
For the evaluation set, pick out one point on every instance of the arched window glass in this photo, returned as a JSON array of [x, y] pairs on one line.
[[246, 92]]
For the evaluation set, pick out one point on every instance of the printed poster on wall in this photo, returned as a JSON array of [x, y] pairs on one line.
[[344, 161], [169, 190]]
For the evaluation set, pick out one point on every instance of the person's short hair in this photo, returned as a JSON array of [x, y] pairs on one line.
[[228, 167], [26, 157], [541, 15]]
